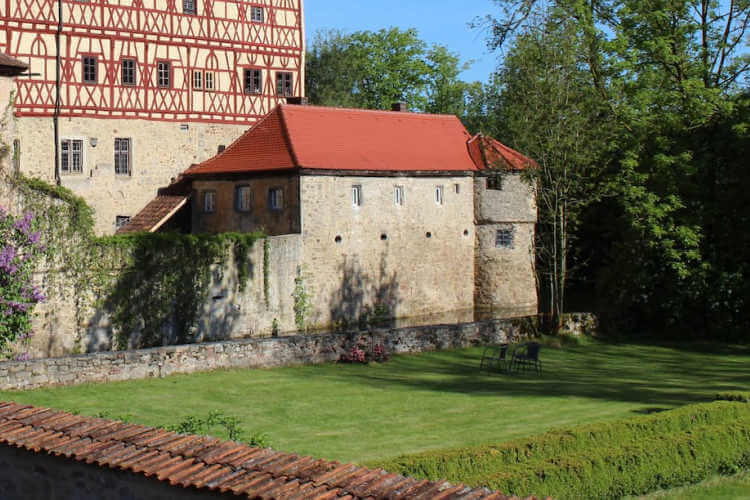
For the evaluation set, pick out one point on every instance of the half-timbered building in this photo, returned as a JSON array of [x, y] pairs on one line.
[[120, 95]]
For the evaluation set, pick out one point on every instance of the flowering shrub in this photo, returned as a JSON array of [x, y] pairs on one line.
[[357, 355], [20, 249]]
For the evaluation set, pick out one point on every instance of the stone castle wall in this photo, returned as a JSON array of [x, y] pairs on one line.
[[399, 260], [161, 151], [248, 353]]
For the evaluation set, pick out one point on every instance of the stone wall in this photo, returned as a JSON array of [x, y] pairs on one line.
[[399, 260], [26, 475], [161, 151], [249, 353]]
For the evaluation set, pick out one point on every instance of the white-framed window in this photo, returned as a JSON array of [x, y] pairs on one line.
[[398, 195], [122, 156], [128, 72], [504, 238], [253, 81], [71, 156], [209, 202], [439, 195], [243, 198], [357, 195], [121, 220], [284, 83], [209, 82], [256, 14], [197, 79], [276, 198], [164, 74]]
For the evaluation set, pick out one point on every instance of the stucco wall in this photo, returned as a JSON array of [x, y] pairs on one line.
[[385, 257], [160, 151], [226, 217]]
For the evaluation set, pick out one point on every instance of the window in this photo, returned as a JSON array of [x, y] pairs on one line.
[[89, 69], [253, 81], [284, 85], [357, 196], [495, 182], [398, 195], [122, 156], [457, 187], [71, 156], [504, 238], [197, 79], [121, 220], [276, 199], [209, 80], [256, 14], [163, 73], [189, 6], [128, 71], [243, 198], [439, 195], [209, 202]]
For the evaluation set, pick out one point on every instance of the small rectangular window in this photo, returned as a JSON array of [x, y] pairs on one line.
[[256, 14], [128, 71], [495, 182], [253, 81], [121, 220], [89, 64], [243, 199], [357, 195], [284, 84], [439, 195], [276, 199], [209, 202], [457, 188], [122, 156], [71, 156], [209, 83], [197, 79], [189, 6], [504, 238], [163, 74], [398, 195]]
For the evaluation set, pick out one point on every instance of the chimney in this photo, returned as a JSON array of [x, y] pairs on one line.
[[297, 101], [399, 107]]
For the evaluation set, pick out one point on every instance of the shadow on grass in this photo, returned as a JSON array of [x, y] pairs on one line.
[[659, 376]]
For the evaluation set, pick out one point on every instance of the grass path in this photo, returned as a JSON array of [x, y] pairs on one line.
[[415, 403], [736, 487]]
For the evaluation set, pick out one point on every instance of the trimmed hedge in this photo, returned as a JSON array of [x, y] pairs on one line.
[[606, 460]]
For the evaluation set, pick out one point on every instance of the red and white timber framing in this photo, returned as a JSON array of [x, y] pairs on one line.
[[220, 39]]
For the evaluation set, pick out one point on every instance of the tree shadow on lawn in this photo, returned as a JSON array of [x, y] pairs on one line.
[[648, 374]]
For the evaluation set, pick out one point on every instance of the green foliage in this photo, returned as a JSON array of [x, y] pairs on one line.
[[605, 460], [301, 297], [217, 419], [266, 269], [742, 397], [372, 70]]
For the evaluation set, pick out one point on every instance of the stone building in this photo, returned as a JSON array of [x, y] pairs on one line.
[[392, 213], [131, 91]]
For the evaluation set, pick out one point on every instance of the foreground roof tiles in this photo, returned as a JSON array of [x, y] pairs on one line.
[[186, 461], [488, 153], [155, 214], [10, 66], [322, 138]]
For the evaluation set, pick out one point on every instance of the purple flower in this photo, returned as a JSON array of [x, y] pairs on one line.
[[7, 255], [34, 237], [24, 224], [24, 356]]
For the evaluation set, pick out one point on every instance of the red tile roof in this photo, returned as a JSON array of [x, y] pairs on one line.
[[487, 153], [196, 462], [10, 66], [155, 214], [313, 137]]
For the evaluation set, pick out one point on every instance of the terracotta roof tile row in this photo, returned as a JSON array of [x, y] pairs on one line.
[[153, 215], [488, 153], [195, 462]]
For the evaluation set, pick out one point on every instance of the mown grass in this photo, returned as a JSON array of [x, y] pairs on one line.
[[735, 487], [416, 403]]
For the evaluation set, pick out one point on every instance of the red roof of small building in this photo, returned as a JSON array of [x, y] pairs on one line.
[[10, 66], [204, 463], [489, 153], [155, 214], [313, 137]]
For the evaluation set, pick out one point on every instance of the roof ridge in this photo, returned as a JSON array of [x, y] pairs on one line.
[[334, 109]]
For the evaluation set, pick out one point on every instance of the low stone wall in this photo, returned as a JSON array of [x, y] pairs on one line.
[[250, 353]]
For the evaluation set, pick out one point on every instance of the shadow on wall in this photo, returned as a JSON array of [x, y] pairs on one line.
[[364, 300]]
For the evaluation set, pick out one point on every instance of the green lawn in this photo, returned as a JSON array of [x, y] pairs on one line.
[[415, 403], [735, 487]]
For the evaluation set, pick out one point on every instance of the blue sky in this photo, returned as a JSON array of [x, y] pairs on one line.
[[438, 21]]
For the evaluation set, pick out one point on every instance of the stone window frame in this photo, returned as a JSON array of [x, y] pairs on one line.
[[89, 69], [121, 220], [252, 80], [123, 155], [276, 198], [208, 198], [505, 237], [399, 195], [356, 195], [131, 72], [284, 83], [67, 158], [494, 182], [243, 205], [439, 195], [256, 14]]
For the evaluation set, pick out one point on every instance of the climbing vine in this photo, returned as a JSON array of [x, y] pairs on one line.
[[266, 269]]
